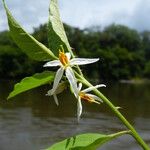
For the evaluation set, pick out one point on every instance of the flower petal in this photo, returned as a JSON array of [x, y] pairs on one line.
[[72, 80], [118, 107], [61, 87], [93, 87], [49, 93], [54, 95], [56, 99], [79, 109], [82, 61], [57, 79], [68, 55], [95, 97], [53, 63], [80, 86]]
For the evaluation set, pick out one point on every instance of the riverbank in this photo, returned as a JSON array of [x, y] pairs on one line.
[[135, 81]]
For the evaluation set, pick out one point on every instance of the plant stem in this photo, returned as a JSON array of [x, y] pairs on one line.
[[119, 115]]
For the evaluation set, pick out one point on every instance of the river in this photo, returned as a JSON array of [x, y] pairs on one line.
[[32, 121]]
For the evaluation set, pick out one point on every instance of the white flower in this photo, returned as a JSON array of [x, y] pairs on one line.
[[84, 95], [60, 88], [65, 64]]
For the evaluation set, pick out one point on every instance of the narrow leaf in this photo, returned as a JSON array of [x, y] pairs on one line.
[[90, 141], [26, 42], [56, 32], [32, 82]]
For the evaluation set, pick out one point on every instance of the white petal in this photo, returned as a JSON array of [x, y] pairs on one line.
[[61, 87], [93, 87], [57, 79], [53, 63], [49, 93], [82, 61], [72, 80], [68, 55], [54, 95], [56, 99], [95, 97], [80, 86], [79, 109], [118, 107]]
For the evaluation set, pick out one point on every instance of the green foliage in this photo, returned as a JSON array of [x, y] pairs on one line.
[[147, 69], [120, 49], [13, 62], [116, 61], [146, 44], [5, 39], [40, 33], [121, 35], [26, 42], [34, 81], [56, 32], [90, 141]]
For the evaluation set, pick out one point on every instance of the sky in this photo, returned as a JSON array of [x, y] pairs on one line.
[[80, 13]]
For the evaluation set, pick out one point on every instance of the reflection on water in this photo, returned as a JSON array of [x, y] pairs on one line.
[[32, 121]]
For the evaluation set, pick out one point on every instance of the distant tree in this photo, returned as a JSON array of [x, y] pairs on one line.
[[40, 34], [146, 44], [123, 52], [147, 70], [121, 35]]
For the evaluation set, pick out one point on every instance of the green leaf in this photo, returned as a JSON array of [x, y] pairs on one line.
[[90, 141], [26, 42], [32, 82], [56, 32]]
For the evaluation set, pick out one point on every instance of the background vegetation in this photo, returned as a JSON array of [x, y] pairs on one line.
[[124, 53]]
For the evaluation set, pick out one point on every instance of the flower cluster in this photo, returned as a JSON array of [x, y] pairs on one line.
[[66, 65]]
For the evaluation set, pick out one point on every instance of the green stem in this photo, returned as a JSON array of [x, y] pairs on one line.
[[120, 133], [119, 115]]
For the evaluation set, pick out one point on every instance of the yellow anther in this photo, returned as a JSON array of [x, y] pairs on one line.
[[88, 98], [63, 58]]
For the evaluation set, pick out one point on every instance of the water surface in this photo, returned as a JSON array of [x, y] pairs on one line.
[[32, 121]]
